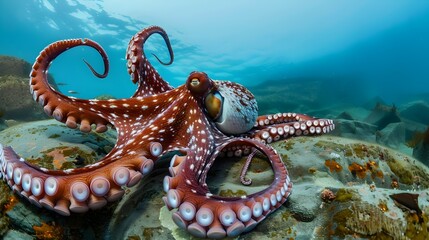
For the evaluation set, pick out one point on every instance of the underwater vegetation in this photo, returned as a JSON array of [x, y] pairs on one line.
[[419, 138], [49, 231]]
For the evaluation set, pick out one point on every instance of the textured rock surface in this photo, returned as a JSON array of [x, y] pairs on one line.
[[360, 175], [416, 111], [16, 101], [14, 66]]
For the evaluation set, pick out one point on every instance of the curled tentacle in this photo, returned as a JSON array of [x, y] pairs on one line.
[[140, 69], [106, 68], [206, 215], [243, 179], [74, 190], [61, 107]]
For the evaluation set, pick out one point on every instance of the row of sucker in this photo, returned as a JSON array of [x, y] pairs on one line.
[[63, 108], [267, 120], [206, 215], [276, 132], [72, 191]]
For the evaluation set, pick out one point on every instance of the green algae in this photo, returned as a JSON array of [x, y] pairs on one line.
[[230, 193], [331, 145], [288, 145], [5, 197], [346, 195], [409, 174], [417, 227], [54, 136], [74, 157]]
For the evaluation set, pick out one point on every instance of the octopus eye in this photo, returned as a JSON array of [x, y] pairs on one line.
[[199, 83], [213, 103], [195, 82]]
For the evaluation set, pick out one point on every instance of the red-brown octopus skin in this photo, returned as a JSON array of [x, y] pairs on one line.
[[201, 120]]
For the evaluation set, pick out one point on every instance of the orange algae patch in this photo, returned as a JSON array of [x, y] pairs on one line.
[[49, 232], [361, 170], [58, 156], [383, 206], [357, 170], [333, 165], [10, 203]]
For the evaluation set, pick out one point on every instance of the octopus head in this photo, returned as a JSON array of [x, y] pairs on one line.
[[229, 105]]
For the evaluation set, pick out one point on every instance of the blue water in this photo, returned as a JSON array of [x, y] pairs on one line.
[[379, 47]]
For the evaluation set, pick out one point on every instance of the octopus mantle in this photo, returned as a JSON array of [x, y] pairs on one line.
[[199, 121]]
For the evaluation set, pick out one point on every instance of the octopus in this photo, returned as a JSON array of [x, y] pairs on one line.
[[194, 123]]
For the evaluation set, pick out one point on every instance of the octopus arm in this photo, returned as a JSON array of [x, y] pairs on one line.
[[66, 109], [74, 190], [140, 69], [204, 214], [302, 127]]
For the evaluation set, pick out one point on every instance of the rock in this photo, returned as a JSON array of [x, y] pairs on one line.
[[383, 115], [417, 111], [355, 129], [42, 143], [13, 235], [361, 175], [421, 152], [302, 203], [14, 66], [22, 215], [69, 147], [373, 102], [421, 147], [345, 116], [392, 135], [16, 101]]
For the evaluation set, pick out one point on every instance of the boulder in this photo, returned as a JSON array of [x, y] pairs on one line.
[[393, 135], [383, 115], [417, 111], [354, 129], [16, 101], [14, 67]]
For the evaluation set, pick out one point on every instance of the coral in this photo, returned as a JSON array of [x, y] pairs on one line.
[[327, 195], [49, 231], [368, 220]]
